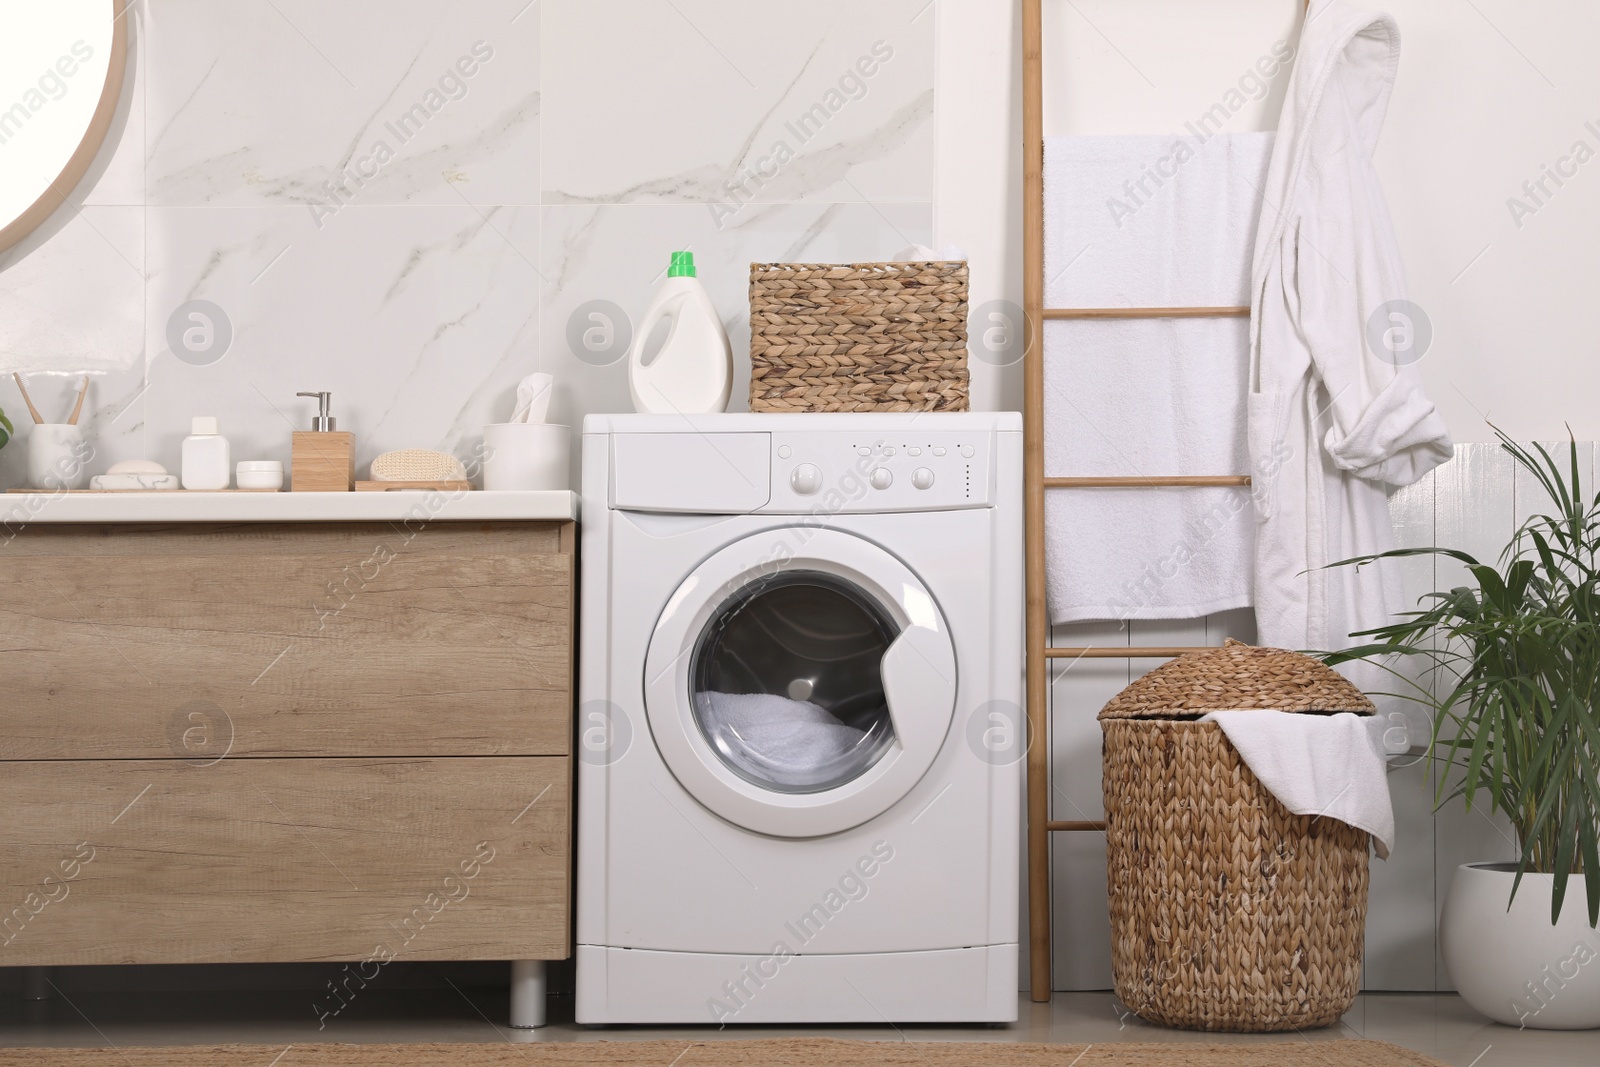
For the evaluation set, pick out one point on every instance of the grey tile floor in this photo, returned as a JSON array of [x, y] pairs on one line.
[[1437, 1025]]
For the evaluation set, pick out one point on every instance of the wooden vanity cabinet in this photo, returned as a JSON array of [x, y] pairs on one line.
[[273, 742]]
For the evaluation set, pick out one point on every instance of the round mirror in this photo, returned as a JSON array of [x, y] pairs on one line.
[[61, 70]]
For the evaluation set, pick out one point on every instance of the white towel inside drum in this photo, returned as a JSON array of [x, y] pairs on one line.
[[775, 739]]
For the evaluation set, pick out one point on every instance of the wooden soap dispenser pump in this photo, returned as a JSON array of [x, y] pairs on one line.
[[323, 459]]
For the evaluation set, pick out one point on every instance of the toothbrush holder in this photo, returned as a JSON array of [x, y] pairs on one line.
[[58, 457]]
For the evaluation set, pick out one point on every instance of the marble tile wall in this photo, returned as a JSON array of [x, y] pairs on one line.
[[415, 203]]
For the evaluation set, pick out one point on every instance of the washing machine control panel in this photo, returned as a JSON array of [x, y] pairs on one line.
[[835, 473]]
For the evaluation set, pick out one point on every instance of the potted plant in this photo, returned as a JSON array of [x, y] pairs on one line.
[[1513, 680]]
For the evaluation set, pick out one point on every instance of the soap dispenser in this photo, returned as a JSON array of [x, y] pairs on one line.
[[323, 459]]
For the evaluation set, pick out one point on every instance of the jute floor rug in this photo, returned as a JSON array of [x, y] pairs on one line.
[[786, 1052]]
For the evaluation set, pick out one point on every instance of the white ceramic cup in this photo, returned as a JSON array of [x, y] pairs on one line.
[[526, 455], [58, 457]]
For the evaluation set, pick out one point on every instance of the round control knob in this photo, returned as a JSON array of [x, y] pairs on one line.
[[881, 478], [805, 479], [922, 478]]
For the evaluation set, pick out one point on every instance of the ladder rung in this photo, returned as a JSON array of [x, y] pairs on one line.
[[1058, 824], [1147, 313], [1122, 652], [1181, 481]]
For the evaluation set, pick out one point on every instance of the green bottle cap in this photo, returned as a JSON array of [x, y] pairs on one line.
[[682, 265]]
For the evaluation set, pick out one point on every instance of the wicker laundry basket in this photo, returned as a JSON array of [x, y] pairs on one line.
[[1227, 912], [858, 337]]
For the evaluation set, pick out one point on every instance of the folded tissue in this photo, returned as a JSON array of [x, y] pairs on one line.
[[533, 398]]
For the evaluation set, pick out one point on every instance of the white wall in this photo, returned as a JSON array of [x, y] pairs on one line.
[[1487, 92]]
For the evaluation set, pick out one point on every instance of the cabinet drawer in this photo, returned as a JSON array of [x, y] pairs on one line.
[[287, 640], [265, 860]]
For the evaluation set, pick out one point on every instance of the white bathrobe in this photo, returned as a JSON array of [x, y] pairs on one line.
[[1332, 421]]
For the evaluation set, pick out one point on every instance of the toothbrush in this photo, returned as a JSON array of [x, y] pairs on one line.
[[38, 419], [83, 391]]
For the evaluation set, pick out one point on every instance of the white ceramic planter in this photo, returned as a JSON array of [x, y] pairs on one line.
[[1512, 965]]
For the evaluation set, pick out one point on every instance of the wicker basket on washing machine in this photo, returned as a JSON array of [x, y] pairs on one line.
[[859, 336], [1227, 911]]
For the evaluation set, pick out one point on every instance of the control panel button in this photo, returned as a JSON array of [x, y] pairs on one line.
[[938, 450], [888, 450], [966, 451], [863, 451], [922, 478], [805, 479], [784, 451], [913, 451], [881, 478]]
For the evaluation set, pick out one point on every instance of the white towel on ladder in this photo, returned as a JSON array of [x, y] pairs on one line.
[[1148, 222]]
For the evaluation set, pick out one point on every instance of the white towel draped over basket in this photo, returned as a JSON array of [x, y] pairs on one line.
[[1328, 766], [1145, 222]]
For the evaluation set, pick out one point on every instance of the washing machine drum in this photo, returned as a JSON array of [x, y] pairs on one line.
[[786, 684], [803, 699]]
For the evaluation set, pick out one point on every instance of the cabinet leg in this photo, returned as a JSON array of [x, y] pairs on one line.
[[36, 983], [527, 994]]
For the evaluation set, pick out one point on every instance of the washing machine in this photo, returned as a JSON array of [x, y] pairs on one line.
[[800, 720]]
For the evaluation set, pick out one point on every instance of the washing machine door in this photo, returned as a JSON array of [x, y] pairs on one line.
[[800, 682]]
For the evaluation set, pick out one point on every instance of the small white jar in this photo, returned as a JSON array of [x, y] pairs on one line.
[[259, 474]]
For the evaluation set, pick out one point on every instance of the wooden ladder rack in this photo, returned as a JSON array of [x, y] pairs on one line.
[[1039, 652]]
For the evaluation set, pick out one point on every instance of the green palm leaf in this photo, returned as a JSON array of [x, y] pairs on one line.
[[1515, 672]]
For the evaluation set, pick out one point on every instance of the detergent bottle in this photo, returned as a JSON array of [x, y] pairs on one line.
[[693, 372]]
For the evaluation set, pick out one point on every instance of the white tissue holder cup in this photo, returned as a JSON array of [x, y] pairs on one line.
[[526, 455]]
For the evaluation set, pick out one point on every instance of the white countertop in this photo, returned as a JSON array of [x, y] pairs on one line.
[[178, 505]]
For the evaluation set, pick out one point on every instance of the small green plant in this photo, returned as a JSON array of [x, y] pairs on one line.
[[6, 430], [1514, 667]]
